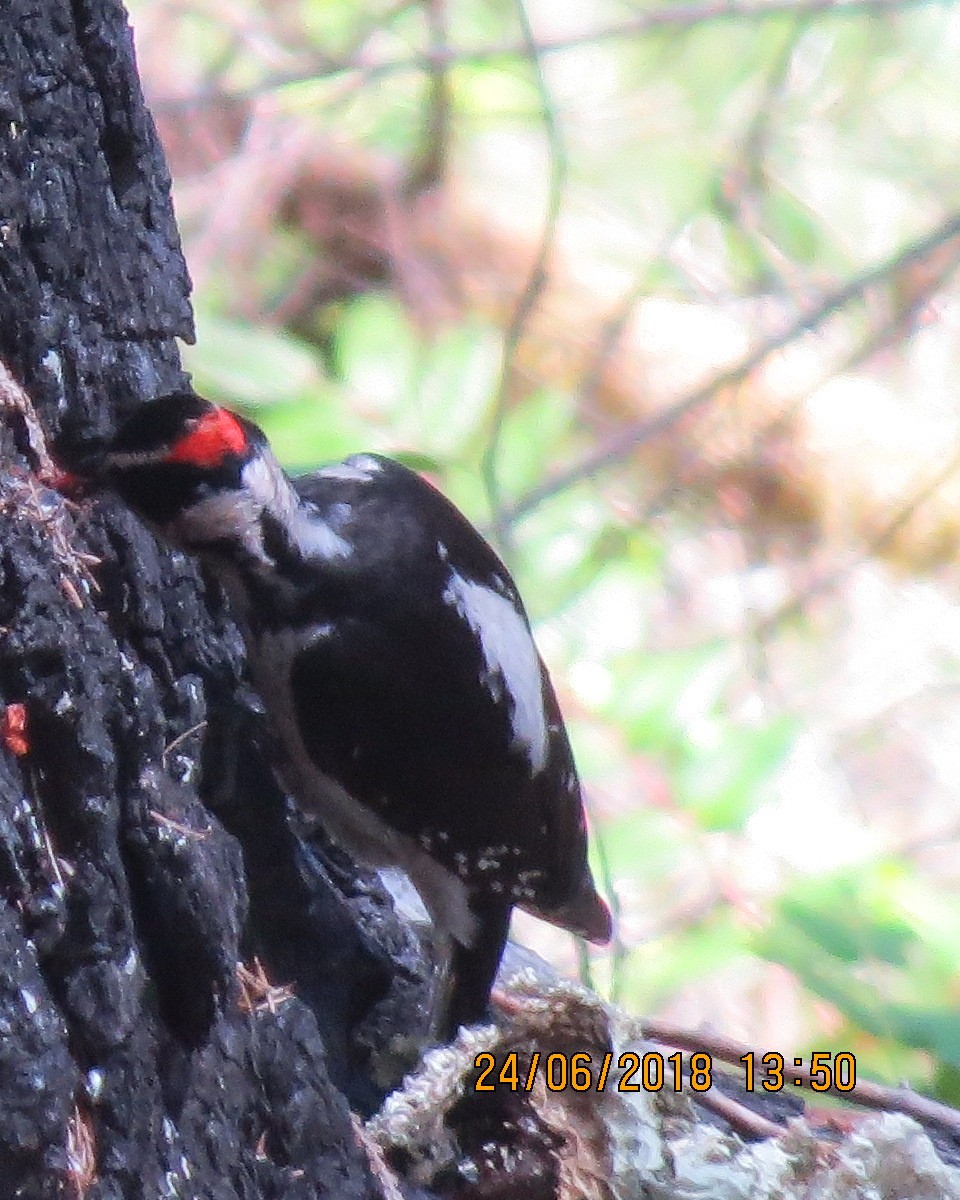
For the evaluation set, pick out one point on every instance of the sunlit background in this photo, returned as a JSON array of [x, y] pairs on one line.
[[664, 296]]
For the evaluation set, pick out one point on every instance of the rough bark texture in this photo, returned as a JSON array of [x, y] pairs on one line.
[[145, 849]]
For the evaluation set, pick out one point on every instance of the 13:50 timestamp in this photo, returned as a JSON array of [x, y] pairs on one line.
[[826, 1073], [655, 1071]]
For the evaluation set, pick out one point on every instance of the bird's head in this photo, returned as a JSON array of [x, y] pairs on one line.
[[174, 452], [200, 474]]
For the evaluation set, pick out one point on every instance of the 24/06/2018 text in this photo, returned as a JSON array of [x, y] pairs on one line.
[[654, 1071]]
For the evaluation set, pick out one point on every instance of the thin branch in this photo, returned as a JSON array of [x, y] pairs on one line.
[[428, 170], [929, 488], [181, 738], [613, 450], [876, 340], [534, 286], [684, 16], [615, 325], [13, 399], [619, 949], [741, 1119], [743, 183], [864, 1092], [831, 579], [670, 16]]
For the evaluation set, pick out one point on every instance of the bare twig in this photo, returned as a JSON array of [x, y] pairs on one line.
[[14, 399], [746, 177], [384, 1174], [929, 488], [257, 993], [668, 17], [181, 738], [619, 949], [81, 1152], [876, 340], [430, 166], [740, 1118], [536, 280], [62, 869], [620, 445], [197, 835], [615, 325], [864, 1092], [830, 579], [23, 496]]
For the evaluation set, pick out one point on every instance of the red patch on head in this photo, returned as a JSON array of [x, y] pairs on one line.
[[214, 436]]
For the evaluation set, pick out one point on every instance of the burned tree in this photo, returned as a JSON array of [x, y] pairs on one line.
[[152, 884]]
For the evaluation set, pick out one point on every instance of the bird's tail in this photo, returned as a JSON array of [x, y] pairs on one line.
[[585, 913]]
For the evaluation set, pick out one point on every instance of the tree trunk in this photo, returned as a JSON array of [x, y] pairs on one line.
[[145, 849], [191, 990]]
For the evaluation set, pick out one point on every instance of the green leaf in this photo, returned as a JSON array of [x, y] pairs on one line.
[[451, 392], [559, 555], [375, 352], [494, 91], [650, 693], [534, 438], [852, 915], [725, 786], [946, 1084], [434, 394], [659, 968], [792, 227], [861, 939], [248, 365], [646, 845], [424, 464], [931, 1026], [315, 430]]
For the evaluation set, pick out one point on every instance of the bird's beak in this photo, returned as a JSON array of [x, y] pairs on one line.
[[78, 466], [66, 482]]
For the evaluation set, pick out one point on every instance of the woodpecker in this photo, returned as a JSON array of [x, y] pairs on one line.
[[412, 710]]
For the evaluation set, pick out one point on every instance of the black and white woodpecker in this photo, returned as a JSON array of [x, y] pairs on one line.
[[392, 651]]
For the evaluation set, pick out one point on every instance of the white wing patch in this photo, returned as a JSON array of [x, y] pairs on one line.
[[511, 658], [365, 462], [347, 472]]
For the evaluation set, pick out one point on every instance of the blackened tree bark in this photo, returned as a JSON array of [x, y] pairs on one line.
[[145, 850]]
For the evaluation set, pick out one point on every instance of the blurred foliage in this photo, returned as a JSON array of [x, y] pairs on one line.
[[880, 946], [733, 159]]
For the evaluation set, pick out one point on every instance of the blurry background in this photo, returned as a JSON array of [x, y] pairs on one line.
[[664, 296]]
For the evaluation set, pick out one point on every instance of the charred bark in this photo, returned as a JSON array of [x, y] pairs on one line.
[[145, 849]]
